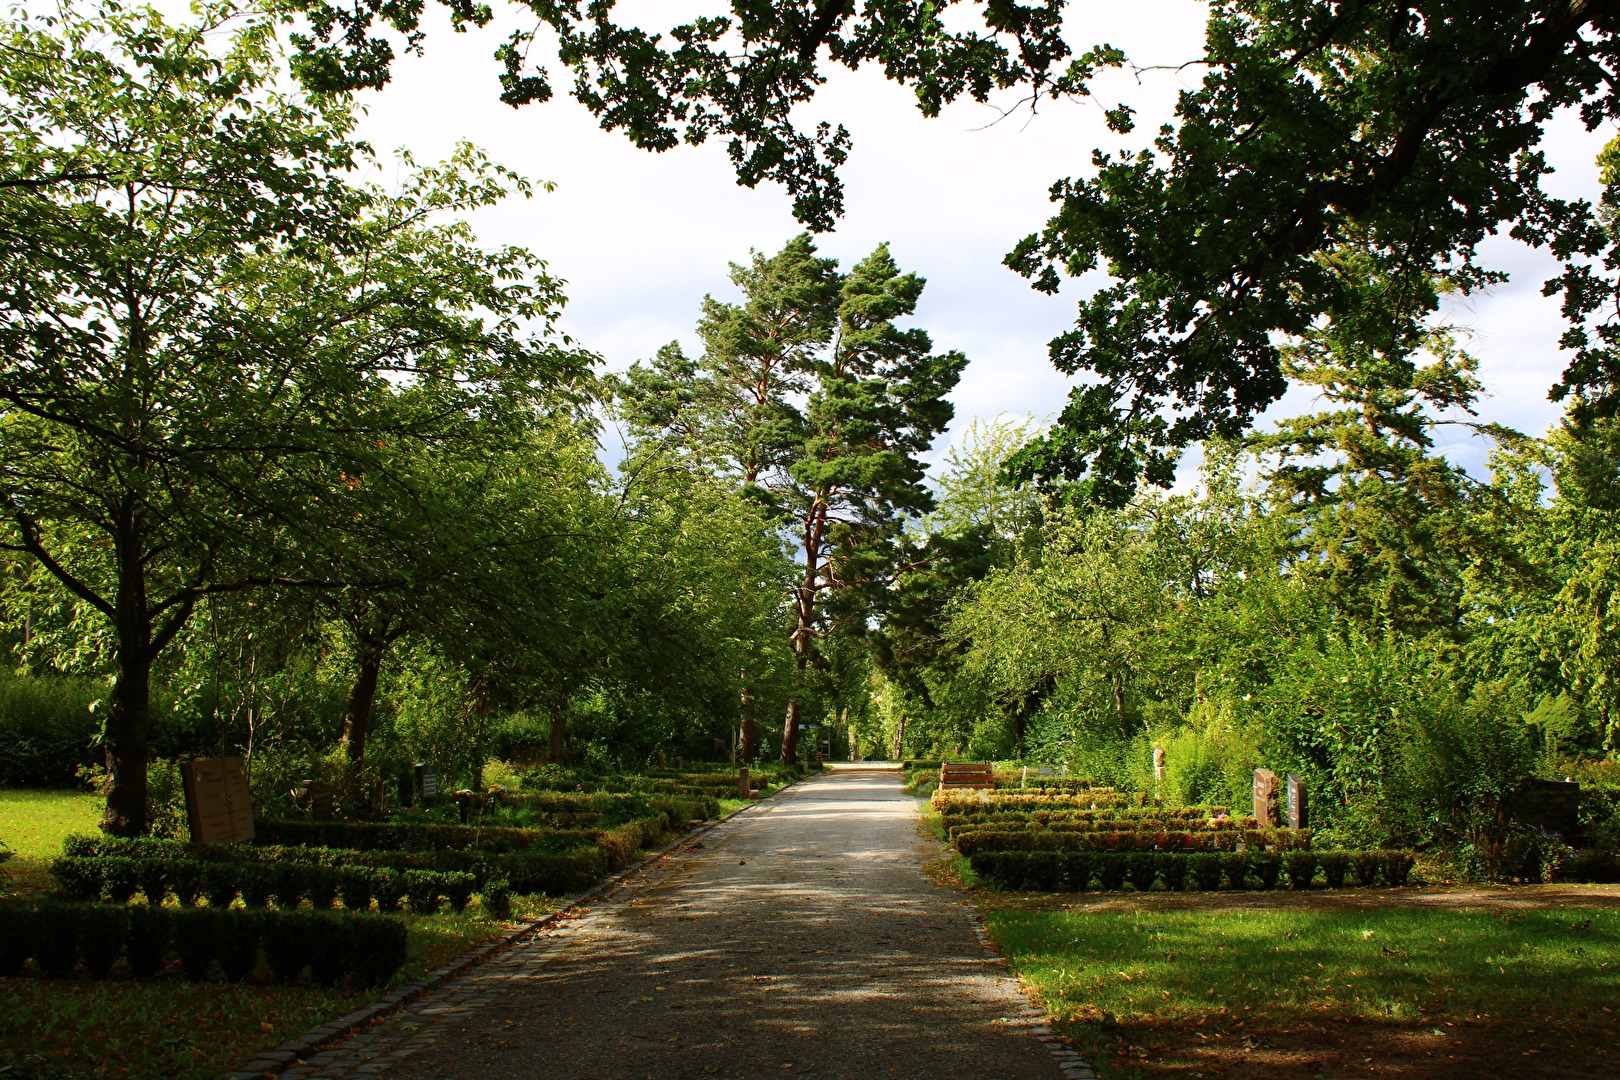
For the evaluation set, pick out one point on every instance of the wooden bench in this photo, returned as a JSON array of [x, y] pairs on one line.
[[966, 774]]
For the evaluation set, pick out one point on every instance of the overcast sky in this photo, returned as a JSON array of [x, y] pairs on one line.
[[641, 238]]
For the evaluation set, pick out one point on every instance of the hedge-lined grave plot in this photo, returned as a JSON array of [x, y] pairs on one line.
[[1074, 838]]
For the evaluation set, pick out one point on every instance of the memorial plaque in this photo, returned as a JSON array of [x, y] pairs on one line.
[[1298, 808], [218, 807], [1265, 798]]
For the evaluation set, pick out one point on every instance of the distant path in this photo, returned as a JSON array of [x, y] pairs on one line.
[[798, 939]]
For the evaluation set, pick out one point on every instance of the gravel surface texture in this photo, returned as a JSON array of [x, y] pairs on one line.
[[799, 938]]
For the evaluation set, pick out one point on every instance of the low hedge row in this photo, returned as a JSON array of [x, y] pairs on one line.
[[118, 879], [368, 949], [1017, 781], [1181, 817], [960, 800], [618, 844], [971, 841], [1081, 871], [386, 836], [955, 826]]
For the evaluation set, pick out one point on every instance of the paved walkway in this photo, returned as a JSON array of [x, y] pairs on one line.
[[799, 938]]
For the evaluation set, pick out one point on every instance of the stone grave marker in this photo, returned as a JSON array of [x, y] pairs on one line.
[[1158, 763], [1298, 807], [427, 780], [1265, 798], [316, 797], [742, 783], [218, 807]]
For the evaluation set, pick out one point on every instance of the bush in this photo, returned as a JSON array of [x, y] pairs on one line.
[[1073, 870], [1301, 867], [368, 949], [497, 899], [1334, 866], [1601, 867], [1367, 865], [47, 729]]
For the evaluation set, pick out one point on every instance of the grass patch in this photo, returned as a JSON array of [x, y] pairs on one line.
[[1312, 989], [33, 823]]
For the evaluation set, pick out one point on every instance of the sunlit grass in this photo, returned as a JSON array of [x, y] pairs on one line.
[[1109, 976]]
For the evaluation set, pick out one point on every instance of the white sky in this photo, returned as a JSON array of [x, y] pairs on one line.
[[641, 238]]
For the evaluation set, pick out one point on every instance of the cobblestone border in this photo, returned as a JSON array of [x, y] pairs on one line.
[[283, 1056], [1035, 1020]]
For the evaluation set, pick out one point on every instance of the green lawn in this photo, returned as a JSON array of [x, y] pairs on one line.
[[1324, 988], [34, 823]]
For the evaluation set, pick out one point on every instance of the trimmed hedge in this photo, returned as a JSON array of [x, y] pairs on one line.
[[618, 844], [368, 949], [1169, 817], [1222, 826], [972, 841], [963, 800], [1107, 871], [111, 876]]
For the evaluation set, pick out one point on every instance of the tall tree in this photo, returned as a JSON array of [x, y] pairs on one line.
[[820, 406], [204, 326]]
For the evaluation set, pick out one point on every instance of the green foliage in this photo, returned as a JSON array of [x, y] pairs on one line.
[[48, 725]]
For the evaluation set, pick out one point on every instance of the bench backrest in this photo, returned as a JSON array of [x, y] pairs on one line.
[[966, 775]]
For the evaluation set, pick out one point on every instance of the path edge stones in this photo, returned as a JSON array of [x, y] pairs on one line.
[[1036, 1020], [284, 1055]]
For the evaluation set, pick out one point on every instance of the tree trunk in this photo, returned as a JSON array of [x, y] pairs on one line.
[[558, 744], [804, 621], [749, 733], [129, 713], [362, 697], [1018, 732], [128, 730]]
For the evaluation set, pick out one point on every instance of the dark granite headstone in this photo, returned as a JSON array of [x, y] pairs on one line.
[[1298, 807]]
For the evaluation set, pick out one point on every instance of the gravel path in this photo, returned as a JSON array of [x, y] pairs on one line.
[[799, 938]]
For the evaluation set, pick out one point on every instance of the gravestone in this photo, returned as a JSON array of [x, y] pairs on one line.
[[427, 780], [218, 807], [1298, 807], [316, 797], [1158, 763], [1265, 798], [742, 783], [661, 762]]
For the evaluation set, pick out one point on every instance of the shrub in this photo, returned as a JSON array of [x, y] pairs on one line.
[[1110, 871], [1398, 866], [258, 882], [193, 936], [1301, 867], [47, 728], [1142, 869], [1205, 869], [497, 899], [1334, 865], [16, 943], [1174, 873], [287, 947], [368, 948], [1267, 866], [236, 944], [1081, 868], [1601, 867], [355, 887], [1235, 868], [422, 890], [1367, 865], [218, 884], [120, 878], [389, 888], [458, 890], [77, 878], [56, 940], [102, 931], [148, 940]]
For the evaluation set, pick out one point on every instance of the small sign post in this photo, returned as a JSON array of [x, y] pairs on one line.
[[1298, 809], [218, 806], [1265, 798]]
